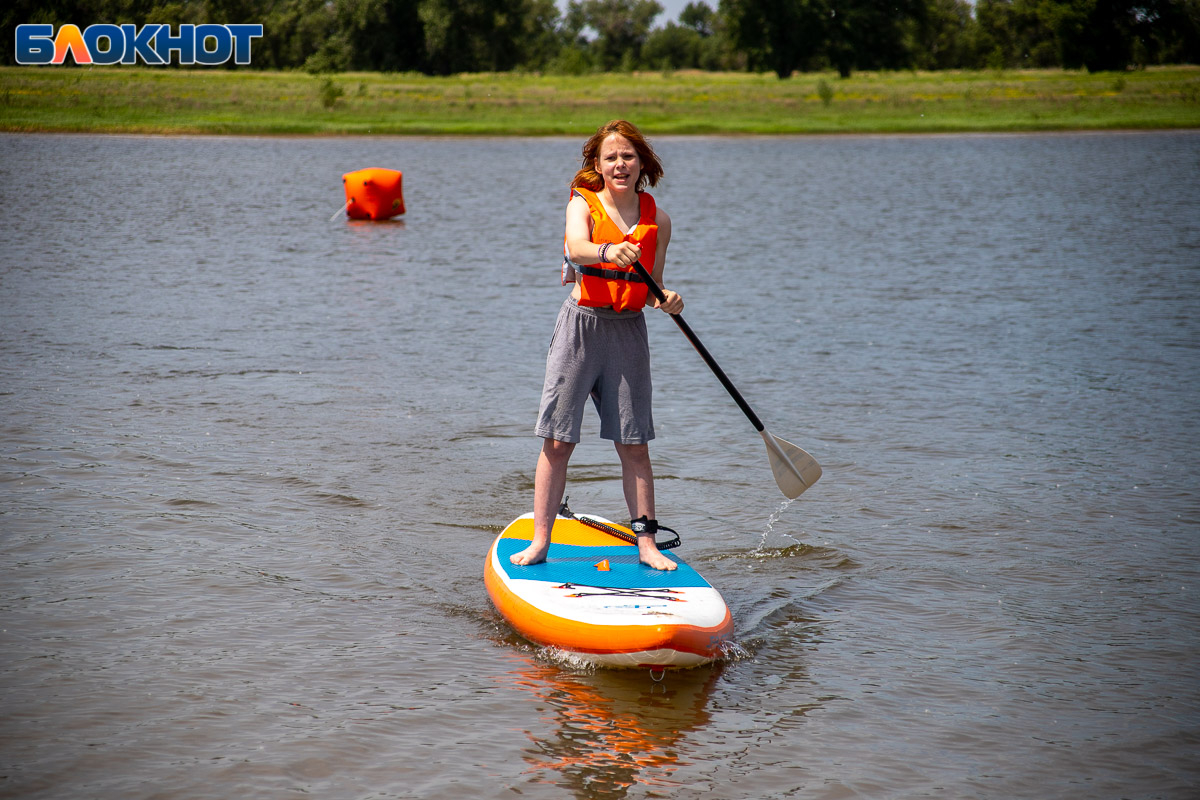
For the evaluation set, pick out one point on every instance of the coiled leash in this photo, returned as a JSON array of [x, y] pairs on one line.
[[639, 525]]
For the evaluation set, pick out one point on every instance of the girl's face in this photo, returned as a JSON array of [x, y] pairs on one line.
[[618, 163]]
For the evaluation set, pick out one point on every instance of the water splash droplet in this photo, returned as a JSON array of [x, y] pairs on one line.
[[774, 518]]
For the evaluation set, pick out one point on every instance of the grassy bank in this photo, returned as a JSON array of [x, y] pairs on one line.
[[144, 100]]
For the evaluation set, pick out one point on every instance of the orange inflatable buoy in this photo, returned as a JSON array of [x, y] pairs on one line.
[[374, 193]]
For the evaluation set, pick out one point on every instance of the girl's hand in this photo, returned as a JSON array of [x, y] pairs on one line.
[[624, 253], [673, 304]]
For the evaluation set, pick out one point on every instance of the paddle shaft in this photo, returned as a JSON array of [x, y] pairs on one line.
[[657, 291]]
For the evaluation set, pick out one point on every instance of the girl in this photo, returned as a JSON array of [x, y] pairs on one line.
[[600, 348]]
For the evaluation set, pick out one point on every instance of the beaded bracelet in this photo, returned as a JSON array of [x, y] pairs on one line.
[[604, 252]]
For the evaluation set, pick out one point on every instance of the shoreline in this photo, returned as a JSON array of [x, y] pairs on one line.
[[149, 101], [657, 136]]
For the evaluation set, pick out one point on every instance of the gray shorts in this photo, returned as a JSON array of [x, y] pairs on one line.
[[599, 353]]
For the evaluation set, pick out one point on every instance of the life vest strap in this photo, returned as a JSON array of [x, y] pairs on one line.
[[608, 274]]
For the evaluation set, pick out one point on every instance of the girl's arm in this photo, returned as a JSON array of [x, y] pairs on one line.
[[580, 247]]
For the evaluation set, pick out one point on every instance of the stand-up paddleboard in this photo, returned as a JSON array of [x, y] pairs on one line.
[[594, 599]]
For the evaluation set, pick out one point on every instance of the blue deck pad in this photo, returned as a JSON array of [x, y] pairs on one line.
[[568, 563]]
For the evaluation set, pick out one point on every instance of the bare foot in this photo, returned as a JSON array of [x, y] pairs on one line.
[[652, 557], [534, 554]]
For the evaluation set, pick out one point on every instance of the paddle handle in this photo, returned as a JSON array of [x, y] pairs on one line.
[[657, 291]]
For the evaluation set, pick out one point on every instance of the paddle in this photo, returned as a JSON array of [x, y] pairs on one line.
[[795, 470]]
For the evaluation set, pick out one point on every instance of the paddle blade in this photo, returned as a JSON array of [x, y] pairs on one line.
[[795, 470]]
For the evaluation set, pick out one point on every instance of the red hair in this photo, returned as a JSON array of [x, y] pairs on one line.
[[589, 178]]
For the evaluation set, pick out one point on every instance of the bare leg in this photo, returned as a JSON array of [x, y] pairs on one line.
[[637, 479], [549, 483]]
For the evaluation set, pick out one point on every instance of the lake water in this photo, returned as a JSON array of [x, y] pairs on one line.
[[253, 458]]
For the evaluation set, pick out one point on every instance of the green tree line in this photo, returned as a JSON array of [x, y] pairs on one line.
[[442, 37]]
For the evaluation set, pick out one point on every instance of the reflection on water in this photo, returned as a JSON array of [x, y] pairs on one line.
[[613, 729]]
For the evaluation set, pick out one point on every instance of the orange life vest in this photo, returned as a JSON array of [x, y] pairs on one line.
[[608, 284]]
